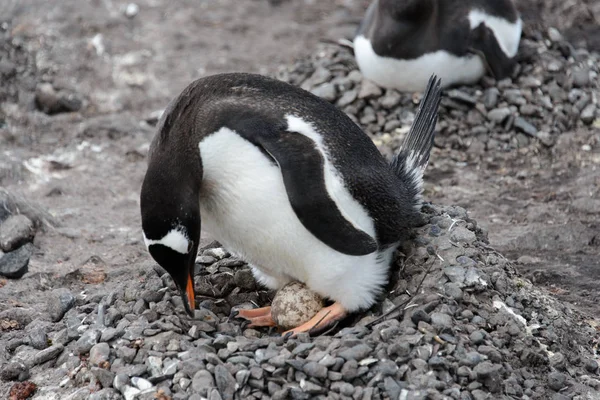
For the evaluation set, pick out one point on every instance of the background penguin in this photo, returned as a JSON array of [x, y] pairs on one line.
[[400, 43], [285, 181]]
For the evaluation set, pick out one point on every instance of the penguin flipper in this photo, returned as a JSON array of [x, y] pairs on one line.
[[484, 43], [303, 170]]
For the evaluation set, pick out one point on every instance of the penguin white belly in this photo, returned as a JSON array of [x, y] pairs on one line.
[[413, 74], [244, 205]]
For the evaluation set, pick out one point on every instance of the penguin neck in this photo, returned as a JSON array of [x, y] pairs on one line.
[[170, 193]]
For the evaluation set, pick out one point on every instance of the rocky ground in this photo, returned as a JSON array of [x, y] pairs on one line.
[[84, 313]]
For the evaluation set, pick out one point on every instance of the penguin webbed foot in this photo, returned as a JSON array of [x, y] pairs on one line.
[[324, 320], [256, 317]]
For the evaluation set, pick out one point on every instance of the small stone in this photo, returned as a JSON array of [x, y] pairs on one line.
[[99, 354], [591, 365], [201, 381], [225, 382], [48, 354], [461, 234], [490, 98], [588, 114], [104, 376], [390, 100], [522, 125], [369, 89], [15, 232], [105, 394], [120, 381], [581, 77], [347, 98], [554, 34], [59, 302], [489, 374], [38, 338], [51, 102], [557, 360], [141, 383], [557, 380], [129, 392], [357, 352], [315, 370], [87, 341], [127, 354], [453, 291], [131, 10], [441, 321], [14, 371], [7, 68], [15, 264], [498, 115], [477, 337], [325, 91], [463, 97], [420, 315]]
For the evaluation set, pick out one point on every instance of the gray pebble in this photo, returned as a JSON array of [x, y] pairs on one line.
[[588, 114], [99, 354], [201, 381], [498, 115], [477, 337], [356, 353], [453, 291], [462, 235], [87, 341], [15, 232], [48, 354], [522, 125], [441, 321], [104, 376], [59, 302], [557, 380], [14, 371], [326, 91], [225, 382], [15, 264], [38, 338], [490, 98], [315, 370], [106, 394], [369, 90], [390, 100]]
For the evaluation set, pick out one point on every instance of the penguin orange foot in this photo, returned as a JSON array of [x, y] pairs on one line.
[[323, 320], [257, 317]]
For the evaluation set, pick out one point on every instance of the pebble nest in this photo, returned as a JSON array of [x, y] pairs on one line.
[[554, 88], [466, 326]]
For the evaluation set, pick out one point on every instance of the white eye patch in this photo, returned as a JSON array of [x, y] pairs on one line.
[[175, 240]]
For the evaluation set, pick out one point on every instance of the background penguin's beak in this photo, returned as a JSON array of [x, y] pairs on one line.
[[186, 289]]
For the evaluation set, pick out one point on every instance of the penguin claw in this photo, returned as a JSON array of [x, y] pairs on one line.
[[324, 320], [255, 317]]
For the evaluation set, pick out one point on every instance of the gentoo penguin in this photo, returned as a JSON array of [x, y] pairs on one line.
[[285, 181], [400, 43]]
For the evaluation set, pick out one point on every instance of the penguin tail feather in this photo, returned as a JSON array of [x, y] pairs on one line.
[[412, 158]]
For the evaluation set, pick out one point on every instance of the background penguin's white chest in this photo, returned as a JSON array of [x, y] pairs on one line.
[[413, 74], [244, 205]]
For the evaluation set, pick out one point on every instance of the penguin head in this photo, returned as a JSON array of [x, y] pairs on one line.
[[171, 226]]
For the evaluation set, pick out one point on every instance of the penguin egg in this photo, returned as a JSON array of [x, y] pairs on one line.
[[295, 304]]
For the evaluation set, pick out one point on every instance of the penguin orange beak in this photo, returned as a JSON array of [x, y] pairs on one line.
[[191, 297], [188, 295]]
